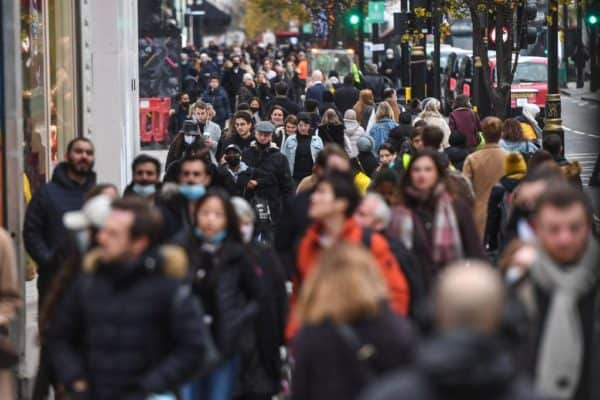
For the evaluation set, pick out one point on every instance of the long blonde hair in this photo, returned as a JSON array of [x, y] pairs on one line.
[[344, 286], [384, 111]]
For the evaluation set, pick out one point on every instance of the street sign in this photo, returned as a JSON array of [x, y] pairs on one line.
[[307, 28], [378, 47], [376, 9]]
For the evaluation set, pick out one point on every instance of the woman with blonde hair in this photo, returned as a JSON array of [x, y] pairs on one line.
[[364, 107], [384, 123], [343, 307]]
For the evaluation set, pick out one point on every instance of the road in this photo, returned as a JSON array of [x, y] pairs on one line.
[[582, 132]]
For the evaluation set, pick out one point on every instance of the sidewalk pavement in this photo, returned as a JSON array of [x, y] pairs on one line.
[[583, 93]]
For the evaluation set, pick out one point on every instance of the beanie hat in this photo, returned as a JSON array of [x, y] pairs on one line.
[[350, 115], [514, 163], [365, 143]]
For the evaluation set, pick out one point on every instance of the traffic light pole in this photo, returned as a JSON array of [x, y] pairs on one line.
[[580, 54], [437, 92], [361, 34], [553, 121], [418, 59]]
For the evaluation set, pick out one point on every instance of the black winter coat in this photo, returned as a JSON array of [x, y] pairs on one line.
[[345, 97], [400, 135], [234, 185], [495, 237], [43, 230], [272, 172], [129, 330], [327, 367], [459, 366], [227, 286], [332, 134]]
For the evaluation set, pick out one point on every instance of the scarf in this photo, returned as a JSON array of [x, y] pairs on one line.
[[560, 357], [447, 242]]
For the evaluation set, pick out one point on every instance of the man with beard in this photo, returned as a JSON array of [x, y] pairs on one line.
[[146, 177], [43, 230], [179, 114]]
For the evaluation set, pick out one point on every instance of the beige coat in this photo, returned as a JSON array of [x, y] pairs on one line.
[[484, 168], [10, 300]]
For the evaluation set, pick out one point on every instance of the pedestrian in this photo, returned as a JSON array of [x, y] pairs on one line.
[[374, 215], [178, 114], [388, 157], [347, 95], [291, 126], [390, 97], [331, 129], [565, 286], [10, 302], [247, 90], [334, 328], [256, 109], [146, 177], [467, 313], [277, 116], [500, 202], [484, 168], [218, 97], [123, 291], [366, 159], [364, 107], [390, 67], [458, 151], [235, 174], [188, 142], [437, 227], [465, 120], [513, 139], [332, 205], [316, 88], [260, 375], [281, 99], [239, 134], [572, 170], [374, 81], [223, 281], [272, 182], [432, 116], [210, 131], [384, 123], [529, 125], [233, 78], [352, 131], [301, 149], [177, 201], [386, 183], [43, 229]]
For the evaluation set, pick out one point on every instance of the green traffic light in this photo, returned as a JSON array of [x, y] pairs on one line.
[[593, 19], [354, 19]]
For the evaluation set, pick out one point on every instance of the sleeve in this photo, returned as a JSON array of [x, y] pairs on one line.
[[472, 243], [286, 183], [187, 330], [303, 365], [65, 331], [467, 170], [36, 219], [392, 273], [10, 298], [452, 122]]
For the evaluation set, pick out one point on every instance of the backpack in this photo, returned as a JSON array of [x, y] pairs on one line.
[[505, 213]]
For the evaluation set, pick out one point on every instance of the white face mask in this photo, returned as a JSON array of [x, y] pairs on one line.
[[247, 231], [189, 139]]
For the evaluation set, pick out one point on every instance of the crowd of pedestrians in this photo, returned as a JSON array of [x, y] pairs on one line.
[[313, 239]]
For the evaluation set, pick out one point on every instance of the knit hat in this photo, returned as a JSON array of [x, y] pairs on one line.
[[514, 163], [350, 115], [365, 143]]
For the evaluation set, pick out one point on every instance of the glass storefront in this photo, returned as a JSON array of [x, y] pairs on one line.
[[50, 101]]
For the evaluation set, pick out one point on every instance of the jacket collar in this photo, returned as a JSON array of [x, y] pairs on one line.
[[60, 177]]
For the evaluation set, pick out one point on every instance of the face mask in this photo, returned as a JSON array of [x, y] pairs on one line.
[[144, 190], [185, 106], [220, 58], [192, 192], [233, 161], [82, 240], [236, 64], [189, 139], [216, 239], [247, 232], [254, 110]]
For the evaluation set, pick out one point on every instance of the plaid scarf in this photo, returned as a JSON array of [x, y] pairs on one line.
[[447, 242]]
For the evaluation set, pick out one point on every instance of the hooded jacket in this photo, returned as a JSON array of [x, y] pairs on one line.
[[129, 330], [381, 130], [353, 131], [43, 230], [234, 182]]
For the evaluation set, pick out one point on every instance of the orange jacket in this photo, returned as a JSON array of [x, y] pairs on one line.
[[303, 70], [309, 250]]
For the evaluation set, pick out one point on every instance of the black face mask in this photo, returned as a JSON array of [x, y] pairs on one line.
[[185, 106], [233, 161], [254, 110], [235, 65]]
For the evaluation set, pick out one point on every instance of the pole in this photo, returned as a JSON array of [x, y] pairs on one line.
[[553, 121], [565, 58], [374, 40], [580, 55], [437, 91], [361, 35], [418, 59]]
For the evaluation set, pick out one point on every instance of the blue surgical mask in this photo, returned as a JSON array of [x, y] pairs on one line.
[[144, 190], [192, 192], [216, 239]]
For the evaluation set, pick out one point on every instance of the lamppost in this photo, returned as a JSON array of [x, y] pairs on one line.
[[553, 121]]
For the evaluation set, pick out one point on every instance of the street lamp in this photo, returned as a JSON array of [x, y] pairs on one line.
[[553, 121]]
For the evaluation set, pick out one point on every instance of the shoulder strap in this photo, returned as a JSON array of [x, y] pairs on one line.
[[365, 239], [364, 353]]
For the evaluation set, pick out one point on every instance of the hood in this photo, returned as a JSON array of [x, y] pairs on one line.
[[272, 147], [243, 167], [60, 177], [467, 366], [513, 146]]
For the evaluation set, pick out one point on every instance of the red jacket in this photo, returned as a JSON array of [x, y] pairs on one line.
[[308, 253]]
